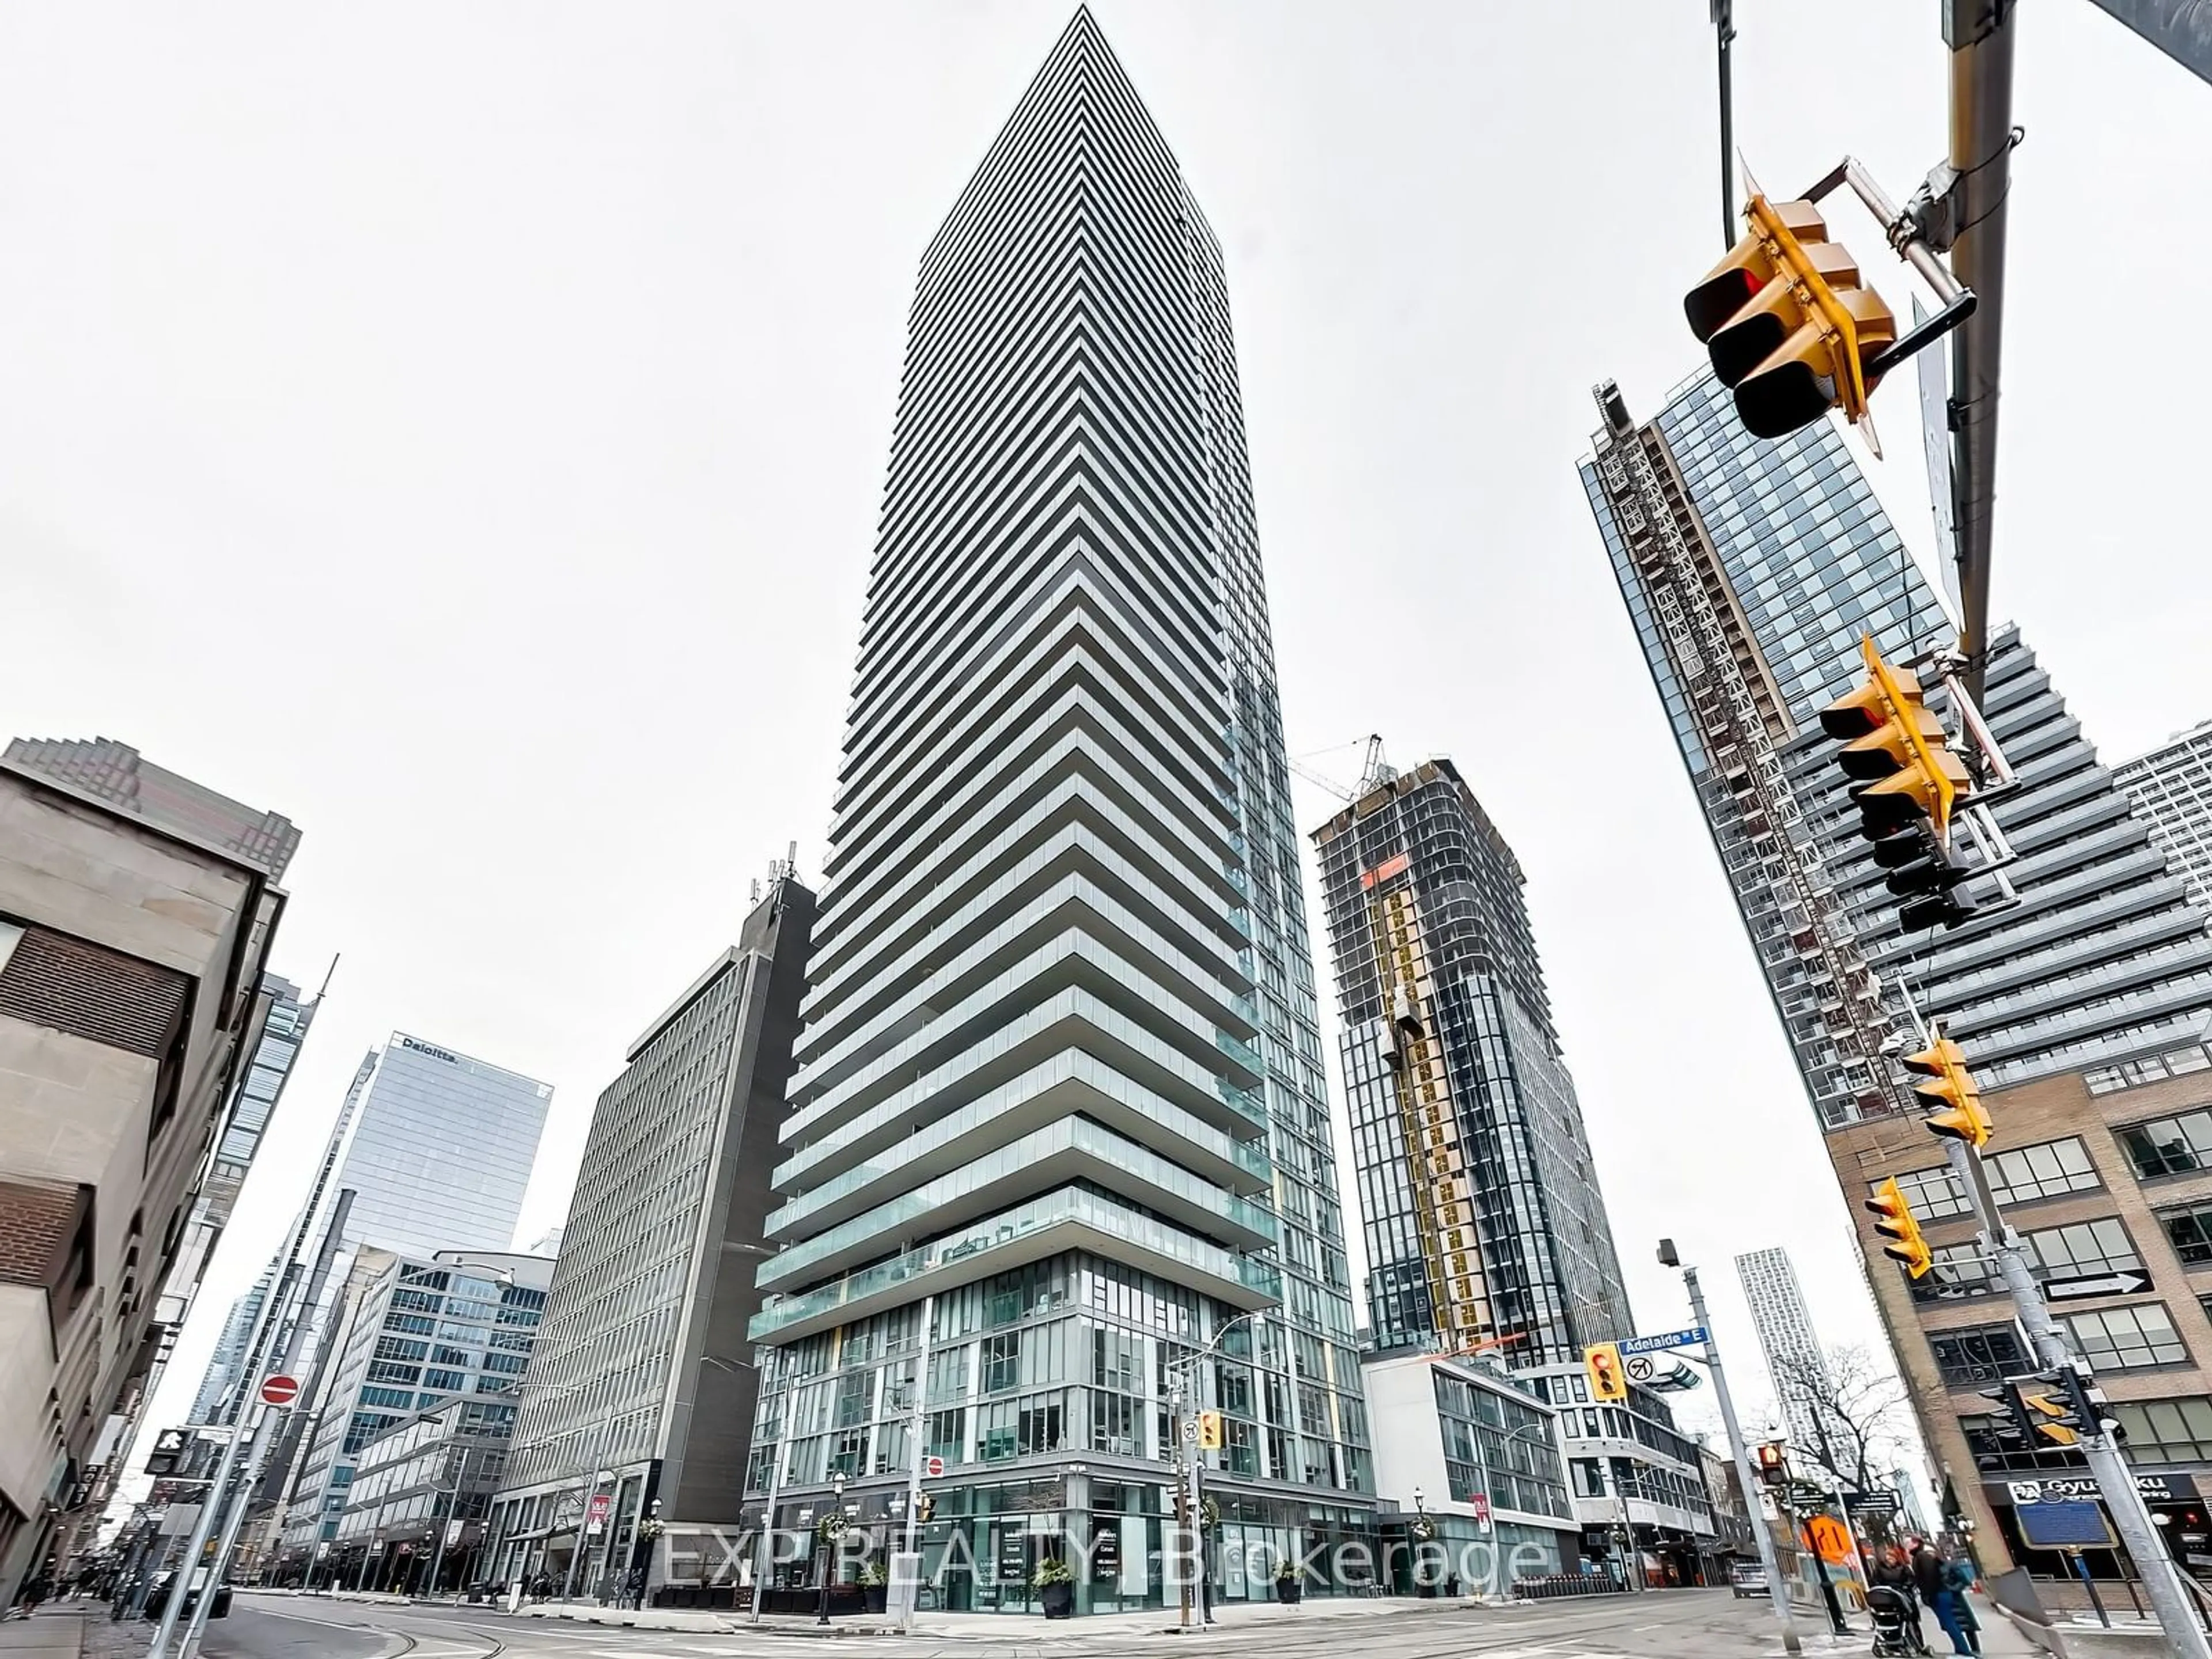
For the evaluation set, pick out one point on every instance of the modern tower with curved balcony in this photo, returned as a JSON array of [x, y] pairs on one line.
[[1060, 1090]]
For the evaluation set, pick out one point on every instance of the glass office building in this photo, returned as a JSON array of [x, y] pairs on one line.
[[1060, 1084], [414, 1334], [442, 1148], [259, 1087], [1751, 569], [1484, 1220]]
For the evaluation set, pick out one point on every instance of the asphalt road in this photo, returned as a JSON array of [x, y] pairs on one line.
[[1675, 1624]]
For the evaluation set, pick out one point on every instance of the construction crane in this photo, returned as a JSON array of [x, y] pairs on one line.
[[1373, 770]]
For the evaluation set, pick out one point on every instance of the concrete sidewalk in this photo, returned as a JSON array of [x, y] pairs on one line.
[[1027, 1629], [75, 1630]]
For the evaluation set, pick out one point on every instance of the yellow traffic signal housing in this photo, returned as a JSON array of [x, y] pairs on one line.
[[1953, 1096], [1606, 1381], [1773, 1462], [1897, 747], [2051, 1417], [1786, 323], [1895, 1222], [1209, 1431]]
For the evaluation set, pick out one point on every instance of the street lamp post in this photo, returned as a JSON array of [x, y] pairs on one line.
[[445, 1524], [830, 1528], [1420, 1531], [777, 1459], [1775, 1589], [1190, 1494]]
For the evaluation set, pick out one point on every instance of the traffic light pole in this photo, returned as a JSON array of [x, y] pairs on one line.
[[2130, 1516], [1777, 1590]]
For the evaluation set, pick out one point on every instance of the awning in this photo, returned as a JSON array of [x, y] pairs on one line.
[[541, 1535]]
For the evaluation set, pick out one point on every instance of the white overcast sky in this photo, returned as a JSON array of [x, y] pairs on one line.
[[461, 427]]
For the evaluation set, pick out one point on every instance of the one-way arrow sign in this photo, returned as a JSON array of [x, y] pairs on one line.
[[2127, 1282]]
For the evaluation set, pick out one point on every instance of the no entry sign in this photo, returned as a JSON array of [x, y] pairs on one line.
[[280, 1389]]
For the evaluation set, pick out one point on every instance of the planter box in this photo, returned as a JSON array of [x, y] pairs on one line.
[[1059, 1600], [1288, 1590]]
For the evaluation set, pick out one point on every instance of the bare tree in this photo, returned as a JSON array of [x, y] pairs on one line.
[[1858, 1411]]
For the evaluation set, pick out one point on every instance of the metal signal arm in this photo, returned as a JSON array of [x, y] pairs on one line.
[[1910, 243]]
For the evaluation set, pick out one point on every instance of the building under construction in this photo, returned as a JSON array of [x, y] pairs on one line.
[[1484, 1224]]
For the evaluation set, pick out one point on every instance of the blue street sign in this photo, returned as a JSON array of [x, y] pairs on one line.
[[1694, 1337]]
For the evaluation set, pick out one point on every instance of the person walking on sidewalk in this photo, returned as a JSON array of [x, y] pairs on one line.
[[1954, 1611]]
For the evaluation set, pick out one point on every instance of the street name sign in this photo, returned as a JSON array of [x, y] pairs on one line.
[[2125, 1282], [1693, 1337]]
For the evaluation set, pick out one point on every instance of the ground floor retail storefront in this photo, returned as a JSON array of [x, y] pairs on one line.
[[2049, 1506], [985, 1547]]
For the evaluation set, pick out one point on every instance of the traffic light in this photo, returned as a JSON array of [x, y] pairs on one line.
[[1209, 1431], [2092, 1412], [1952, 1096], [2013, 1429], [927, 1508], [1786, 323], [1897, 752], [2049, 1414], [1602, 1361], [1924, 874], [1773, 1462], [1895, 1222]]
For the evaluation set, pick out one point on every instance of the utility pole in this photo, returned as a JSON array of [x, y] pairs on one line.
[[1777, 1590], [2130, 1515], [1723, 20], [1185, 1514], [247, 1428]]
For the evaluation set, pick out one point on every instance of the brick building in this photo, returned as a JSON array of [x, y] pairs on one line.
[[2107, 1175]]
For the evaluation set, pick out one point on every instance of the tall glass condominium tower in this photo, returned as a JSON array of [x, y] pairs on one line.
[[1750, 570], [1061, 1069], [1483, 1219]]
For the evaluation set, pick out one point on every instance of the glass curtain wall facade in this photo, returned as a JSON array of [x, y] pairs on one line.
[[224, 1364], [1483, 1219], [1751, 569], [443, 1148], [416, 1334], [259, 1088], [1061, 1069], [2104, 956]]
